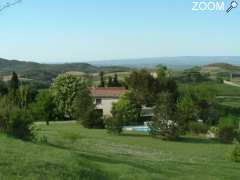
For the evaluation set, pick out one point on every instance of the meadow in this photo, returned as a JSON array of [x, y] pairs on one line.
[[69, 151]]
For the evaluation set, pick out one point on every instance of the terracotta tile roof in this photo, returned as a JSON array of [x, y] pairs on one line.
[[108, 92]]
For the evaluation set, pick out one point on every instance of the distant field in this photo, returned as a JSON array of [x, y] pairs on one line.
[[72, 152], [221, 89]]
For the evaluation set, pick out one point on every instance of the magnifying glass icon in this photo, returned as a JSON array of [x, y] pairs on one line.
[[233, 5]]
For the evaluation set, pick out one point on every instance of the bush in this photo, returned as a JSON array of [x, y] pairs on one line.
[[226, 133], [235, 156], [198, 128], [15, 121], [166, 130], [20, 124], [237, 133], [85, 110], [93, 119], [227, 130], [113, 125]]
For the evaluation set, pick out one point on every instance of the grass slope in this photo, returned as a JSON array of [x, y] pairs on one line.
[[73, 152]]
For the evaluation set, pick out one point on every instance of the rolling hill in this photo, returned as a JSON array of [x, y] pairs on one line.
[[46, 72]]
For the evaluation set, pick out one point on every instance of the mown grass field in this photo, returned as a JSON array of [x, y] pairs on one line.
[[72, 152]]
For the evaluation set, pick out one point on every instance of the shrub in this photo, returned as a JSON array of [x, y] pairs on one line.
[[93, 119], [198, 128], [20, 124], [85, 110], [169, 130], [113, 125], [15, 121], [235, 156], [237, 133], [226, 133], [227, 130]]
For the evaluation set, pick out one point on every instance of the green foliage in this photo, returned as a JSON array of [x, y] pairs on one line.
[[3, 88], [204, 100], [84, 110], [14, 82], [43, 109], [226, 130], [24, 96], [194, 76], [20, 124], [126, 110], [161, 71], [164, 124], [113, 81], [64, 90], [116, 82], [113, 125], [143, 86], [235, 156], [187, 112], [146, 88], [15, 121], [102, 79], [110, 82], [198, 128]]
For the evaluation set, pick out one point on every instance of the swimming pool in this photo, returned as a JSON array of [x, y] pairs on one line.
[[137, 128]]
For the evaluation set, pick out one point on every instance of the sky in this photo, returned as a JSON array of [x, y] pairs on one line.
[[90, 30]]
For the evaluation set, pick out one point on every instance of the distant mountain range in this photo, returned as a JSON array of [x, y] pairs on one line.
[[46, 72], [172, 62]]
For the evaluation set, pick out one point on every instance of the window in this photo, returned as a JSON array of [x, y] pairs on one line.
[[98, 101]]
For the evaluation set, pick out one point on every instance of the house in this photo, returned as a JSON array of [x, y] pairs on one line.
[[105, 97]]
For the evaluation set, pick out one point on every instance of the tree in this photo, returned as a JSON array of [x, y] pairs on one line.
[[165, 122], [85, 111], [24, 96], [204, 99], [14, 82], [64, 90], [3, 88], [116, 82], [110, 82], [15, 121], [124, 112], [102, 80], [144, 86], [44, 107], [187, 112], [161, 71], [13, 87]]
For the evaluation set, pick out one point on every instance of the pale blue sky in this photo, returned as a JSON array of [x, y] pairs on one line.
[[85, 30]]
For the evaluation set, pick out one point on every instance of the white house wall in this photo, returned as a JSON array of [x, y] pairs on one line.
[[106, 105]]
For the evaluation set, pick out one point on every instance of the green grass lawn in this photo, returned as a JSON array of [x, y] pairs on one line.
[[72, 152]]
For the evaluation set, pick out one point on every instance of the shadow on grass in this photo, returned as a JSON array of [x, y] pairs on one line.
[[107, 159], [134, 135], [195, 140]]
